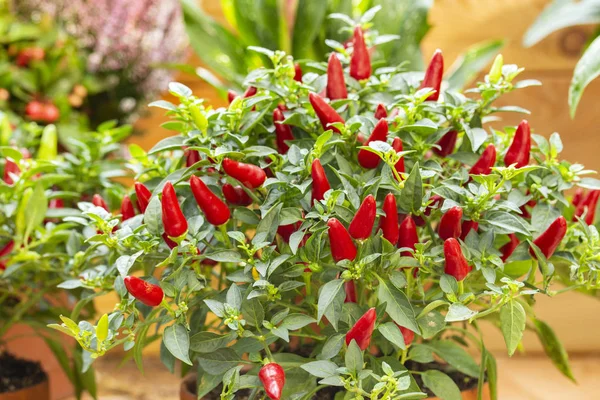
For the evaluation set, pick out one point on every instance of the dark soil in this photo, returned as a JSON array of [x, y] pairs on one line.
[[215, 394], [327, 393], [464, 382], [17, 374]]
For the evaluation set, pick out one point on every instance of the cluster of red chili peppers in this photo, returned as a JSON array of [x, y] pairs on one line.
[[401, 232]]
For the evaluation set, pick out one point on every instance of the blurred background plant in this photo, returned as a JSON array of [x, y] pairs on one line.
[[103, 59], [308, 30], [561, 14], [38, 250]]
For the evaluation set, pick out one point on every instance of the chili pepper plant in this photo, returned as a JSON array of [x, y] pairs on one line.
[[349, 232], [40, 254]]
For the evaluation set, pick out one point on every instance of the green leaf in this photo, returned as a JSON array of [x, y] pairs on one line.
[[554, 348], [102, 328], [177, 341], [253, 312], [296, 321], [32, 210], [167, 358], [408, 19], [459, 312], [217, 47], [207, 342], [310, 15], [512, 324], [411, 196], [586, 70], [391, 332], [560, 14], [320, 369], [332, 346], [470, 63], [397, 306], [267, 227], [354, 357], [456, 356], [441, 385], [505, 223], [170, 143], [219, 362], [327, 294]]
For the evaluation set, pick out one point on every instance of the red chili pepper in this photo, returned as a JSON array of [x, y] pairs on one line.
[[251, 91], [127, 210], [285, 231], [8, 247], [360, 62], [250, 175], [520, 148], [231, 95], [98, 201], [29, 54], [450, 226], [588, 205], [408, 236], [272, 377], [447, 144], [592, 202], [173, 219], [433, 75], [51, 113], [407, 334], [578, 197], [342, 246], [283, 132], [56, 203], [484, 165], [191, 157], [215, 210], [143, 196], [297, 72], [336, 84], [549, 240], [456, 263], [10, 168], [434, 201], [363, 329], [397, 146], [466, 227], [366, 158], [320, 184], [236, 195], [172, 244], [350, 289], [389, 223], [361, 225], [146, 292], [380, 112], [326, 114], [509, 247]]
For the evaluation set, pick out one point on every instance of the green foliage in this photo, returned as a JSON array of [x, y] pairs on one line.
[[245, 293]]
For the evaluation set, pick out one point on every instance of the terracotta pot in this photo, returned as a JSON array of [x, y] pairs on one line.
[[186, 391], [40, 391], [471, 394], [25, 343]]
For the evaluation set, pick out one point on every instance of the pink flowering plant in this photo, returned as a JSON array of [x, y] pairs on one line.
[[342, 235]]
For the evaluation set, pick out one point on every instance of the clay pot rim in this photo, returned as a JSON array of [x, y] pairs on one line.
[[189, 380], [41, 387]]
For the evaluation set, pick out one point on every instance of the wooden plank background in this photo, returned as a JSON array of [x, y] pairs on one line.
[[457, 24]]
